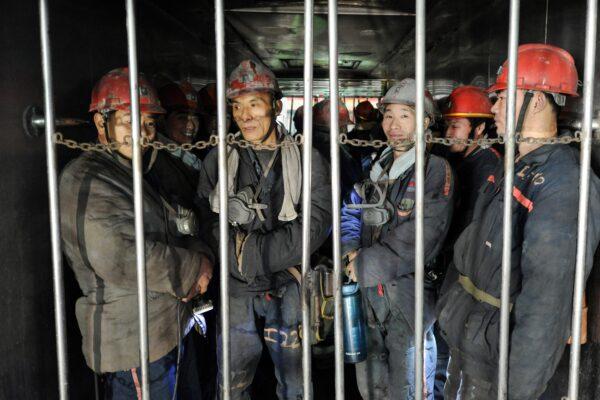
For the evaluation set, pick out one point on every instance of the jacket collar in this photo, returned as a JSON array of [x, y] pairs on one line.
[[541, 154]]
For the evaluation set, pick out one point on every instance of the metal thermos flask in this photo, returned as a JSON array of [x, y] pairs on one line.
[[355, 330]]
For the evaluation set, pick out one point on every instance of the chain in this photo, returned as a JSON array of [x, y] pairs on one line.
[[299, 140], [99, 147], [171, 147], [343, 139], [481, 142], [244, 144]]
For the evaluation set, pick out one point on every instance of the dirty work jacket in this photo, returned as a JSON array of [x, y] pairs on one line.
[[350, 169], [269, 247], [544, 242], [98, 238], [471, 174], [390, 259]]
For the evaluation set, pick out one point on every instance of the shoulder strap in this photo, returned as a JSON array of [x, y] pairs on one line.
[[265, 174]]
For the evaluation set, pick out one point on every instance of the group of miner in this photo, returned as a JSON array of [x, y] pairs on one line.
[[463, 205]]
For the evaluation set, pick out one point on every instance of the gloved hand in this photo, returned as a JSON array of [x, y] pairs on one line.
[[351, 223]]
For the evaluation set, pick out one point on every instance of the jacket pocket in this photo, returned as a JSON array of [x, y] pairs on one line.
[[451, 310], [482, 333]]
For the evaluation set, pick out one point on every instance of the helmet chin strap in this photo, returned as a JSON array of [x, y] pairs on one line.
[[524, 107], [105, 117], [470, 137], [273, 122], [147, 162]]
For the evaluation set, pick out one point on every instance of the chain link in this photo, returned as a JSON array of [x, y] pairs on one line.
[[244, 144], [343, 139], [99, 147], [299, 140], [171, 147], [481, 142]]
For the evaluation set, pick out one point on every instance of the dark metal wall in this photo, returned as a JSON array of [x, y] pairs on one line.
[[88, 39], [27, 356]]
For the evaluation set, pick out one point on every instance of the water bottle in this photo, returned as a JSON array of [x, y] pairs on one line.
[[355, 330]]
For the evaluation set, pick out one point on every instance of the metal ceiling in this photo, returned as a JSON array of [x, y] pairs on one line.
[[466, 39]]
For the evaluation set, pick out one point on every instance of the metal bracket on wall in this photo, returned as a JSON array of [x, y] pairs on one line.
[[34, 121]]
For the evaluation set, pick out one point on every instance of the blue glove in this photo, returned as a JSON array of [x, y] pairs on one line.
[[351, 223]]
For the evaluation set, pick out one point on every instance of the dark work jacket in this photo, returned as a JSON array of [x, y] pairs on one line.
[[544, 242], [98, 238], [471, 174], [350, 169], [390, 258], [272, 246], [176, 181]]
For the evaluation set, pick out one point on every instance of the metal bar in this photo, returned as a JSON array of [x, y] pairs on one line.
[[138, 203], [509, 170], [291, 115], [223, 220], [306, 199], [336, 198], [584, 188], [57, 263], [419, 193]]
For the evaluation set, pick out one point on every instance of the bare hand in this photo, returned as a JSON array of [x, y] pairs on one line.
[[204, 277], [349, 269], [350, 272]]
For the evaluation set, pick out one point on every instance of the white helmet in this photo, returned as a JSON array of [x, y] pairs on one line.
[[405, 92]]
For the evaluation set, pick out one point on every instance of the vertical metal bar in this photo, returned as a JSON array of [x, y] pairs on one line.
[[584, 187], [509, 170], [336, 199], [223, 220], [306, 199], [291, 115], [138, 204], [57, 263], [419, 193]]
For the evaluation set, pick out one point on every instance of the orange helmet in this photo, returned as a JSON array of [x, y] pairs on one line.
[[112, 93], [322, 115], [250, 76], [468, 102], [541, 67], [180, 97]]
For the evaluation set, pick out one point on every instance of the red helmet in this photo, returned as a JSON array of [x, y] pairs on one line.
[[180, 97], [364, 111], [250, 76], [468, 102], [112, 93], [207, 99], [541, 67], [322, 116]]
